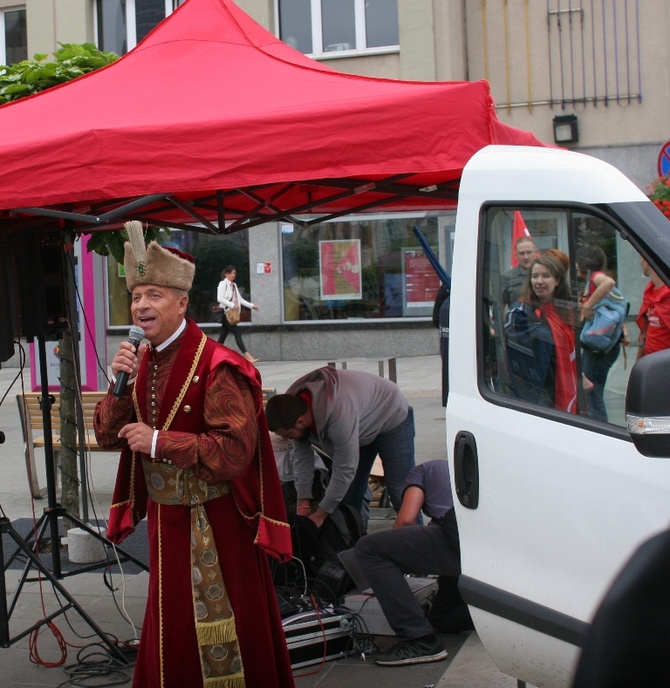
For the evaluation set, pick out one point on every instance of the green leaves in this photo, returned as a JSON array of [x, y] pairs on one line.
[[112, 243], [70, 61], [107, 243]]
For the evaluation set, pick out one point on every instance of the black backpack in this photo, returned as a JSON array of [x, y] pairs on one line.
[[317, 549], [340, 531]]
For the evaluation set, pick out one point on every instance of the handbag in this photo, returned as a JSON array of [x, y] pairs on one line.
[[232, 316], [217, 313]]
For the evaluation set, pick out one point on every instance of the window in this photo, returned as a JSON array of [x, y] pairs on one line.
[[122, 24], [361, 267], [532, 309], [211, 254], [594, 53], [321, 27], [14, 46]]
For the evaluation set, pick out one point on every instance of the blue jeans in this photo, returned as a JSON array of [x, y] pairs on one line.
[[396, 451], [596, 366]]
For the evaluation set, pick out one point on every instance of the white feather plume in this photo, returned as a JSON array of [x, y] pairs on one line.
[[136, 239]]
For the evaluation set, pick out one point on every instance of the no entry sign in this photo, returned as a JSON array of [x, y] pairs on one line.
[[664, 160]]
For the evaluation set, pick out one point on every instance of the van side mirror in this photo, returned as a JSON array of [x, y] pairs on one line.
[[648, 405]]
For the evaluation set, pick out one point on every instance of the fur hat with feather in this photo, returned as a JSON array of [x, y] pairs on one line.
[[155, 264]]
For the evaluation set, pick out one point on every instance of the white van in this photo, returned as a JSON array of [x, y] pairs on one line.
[[550, 503]]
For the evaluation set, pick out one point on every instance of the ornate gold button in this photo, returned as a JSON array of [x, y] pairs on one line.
[[196, 379], [187, 409]]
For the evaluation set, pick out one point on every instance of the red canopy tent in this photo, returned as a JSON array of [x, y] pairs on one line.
[[212, 119]]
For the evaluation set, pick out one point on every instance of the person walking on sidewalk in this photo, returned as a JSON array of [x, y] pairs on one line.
[[387, 555], [230, 299]]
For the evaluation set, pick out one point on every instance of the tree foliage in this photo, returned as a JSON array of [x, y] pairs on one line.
[[70, 61], [112, 242]]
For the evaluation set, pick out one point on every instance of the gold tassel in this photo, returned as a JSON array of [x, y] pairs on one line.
[[232, 681], [216, 632]]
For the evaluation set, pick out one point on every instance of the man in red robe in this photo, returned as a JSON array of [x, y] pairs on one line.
[[196, 458]]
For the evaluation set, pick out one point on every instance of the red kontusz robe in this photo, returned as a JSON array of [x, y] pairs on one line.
[[219, 430]]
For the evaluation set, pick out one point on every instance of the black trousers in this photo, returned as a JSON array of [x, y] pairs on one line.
[[226, 329]]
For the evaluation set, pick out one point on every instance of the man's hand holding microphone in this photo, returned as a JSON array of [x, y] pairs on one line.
[[127, 358], [124, 367]]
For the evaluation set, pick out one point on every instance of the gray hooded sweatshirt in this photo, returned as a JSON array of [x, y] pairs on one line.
[[351, 409]]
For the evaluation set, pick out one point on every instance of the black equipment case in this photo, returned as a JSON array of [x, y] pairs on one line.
[[318, 636]]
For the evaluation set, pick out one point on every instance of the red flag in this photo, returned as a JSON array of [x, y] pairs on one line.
[[519, 230]]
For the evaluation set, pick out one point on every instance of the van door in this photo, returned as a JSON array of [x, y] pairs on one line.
[[551, 495]]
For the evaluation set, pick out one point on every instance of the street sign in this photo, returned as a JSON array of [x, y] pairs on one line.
[[664, 160]]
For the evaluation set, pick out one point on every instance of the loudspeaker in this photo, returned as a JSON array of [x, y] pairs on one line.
[[332, 581], [6, 319], [41, 283]]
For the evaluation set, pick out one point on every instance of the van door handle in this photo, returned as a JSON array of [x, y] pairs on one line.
[[466, 469]]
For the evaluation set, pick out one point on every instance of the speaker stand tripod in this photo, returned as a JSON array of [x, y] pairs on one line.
[[6, 640], [49, 519]]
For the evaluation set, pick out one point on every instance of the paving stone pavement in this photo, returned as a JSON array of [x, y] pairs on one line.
[[117, 609]]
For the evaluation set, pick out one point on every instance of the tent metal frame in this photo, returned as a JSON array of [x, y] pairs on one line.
[[221, 213]]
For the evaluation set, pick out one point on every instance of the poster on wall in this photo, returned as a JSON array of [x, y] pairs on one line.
[[340, 269], [421, 282]]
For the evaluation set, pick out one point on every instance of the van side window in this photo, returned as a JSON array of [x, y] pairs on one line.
[[546, 271]]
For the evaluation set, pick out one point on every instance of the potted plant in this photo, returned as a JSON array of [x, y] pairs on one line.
[[659, 193]]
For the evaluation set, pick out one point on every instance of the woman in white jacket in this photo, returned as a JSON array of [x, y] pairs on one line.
[[229, 298]]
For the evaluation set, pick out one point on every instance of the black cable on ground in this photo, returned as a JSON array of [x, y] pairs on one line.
[[97, 667]]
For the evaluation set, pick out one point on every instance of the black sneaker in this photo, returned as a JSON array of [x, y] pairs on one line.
[[419, 651]]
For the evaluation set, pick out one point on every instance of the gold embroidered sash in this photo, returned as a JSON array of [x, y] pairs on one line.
[[167, 484], [214, 619]]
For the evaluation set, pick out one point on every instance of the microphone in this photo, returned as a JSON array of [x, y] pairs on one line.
[[135, 336]]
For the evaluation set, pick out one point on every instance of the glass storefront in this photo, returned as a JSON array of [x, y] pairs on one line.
[[362, 267]]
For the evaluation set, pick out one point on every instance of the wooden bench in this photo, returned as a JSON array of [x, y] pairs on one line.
[[32, 424], [267, 393]]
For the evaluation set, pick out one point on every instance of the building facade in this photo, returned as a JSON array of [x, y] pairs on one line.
[[591, 76]]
